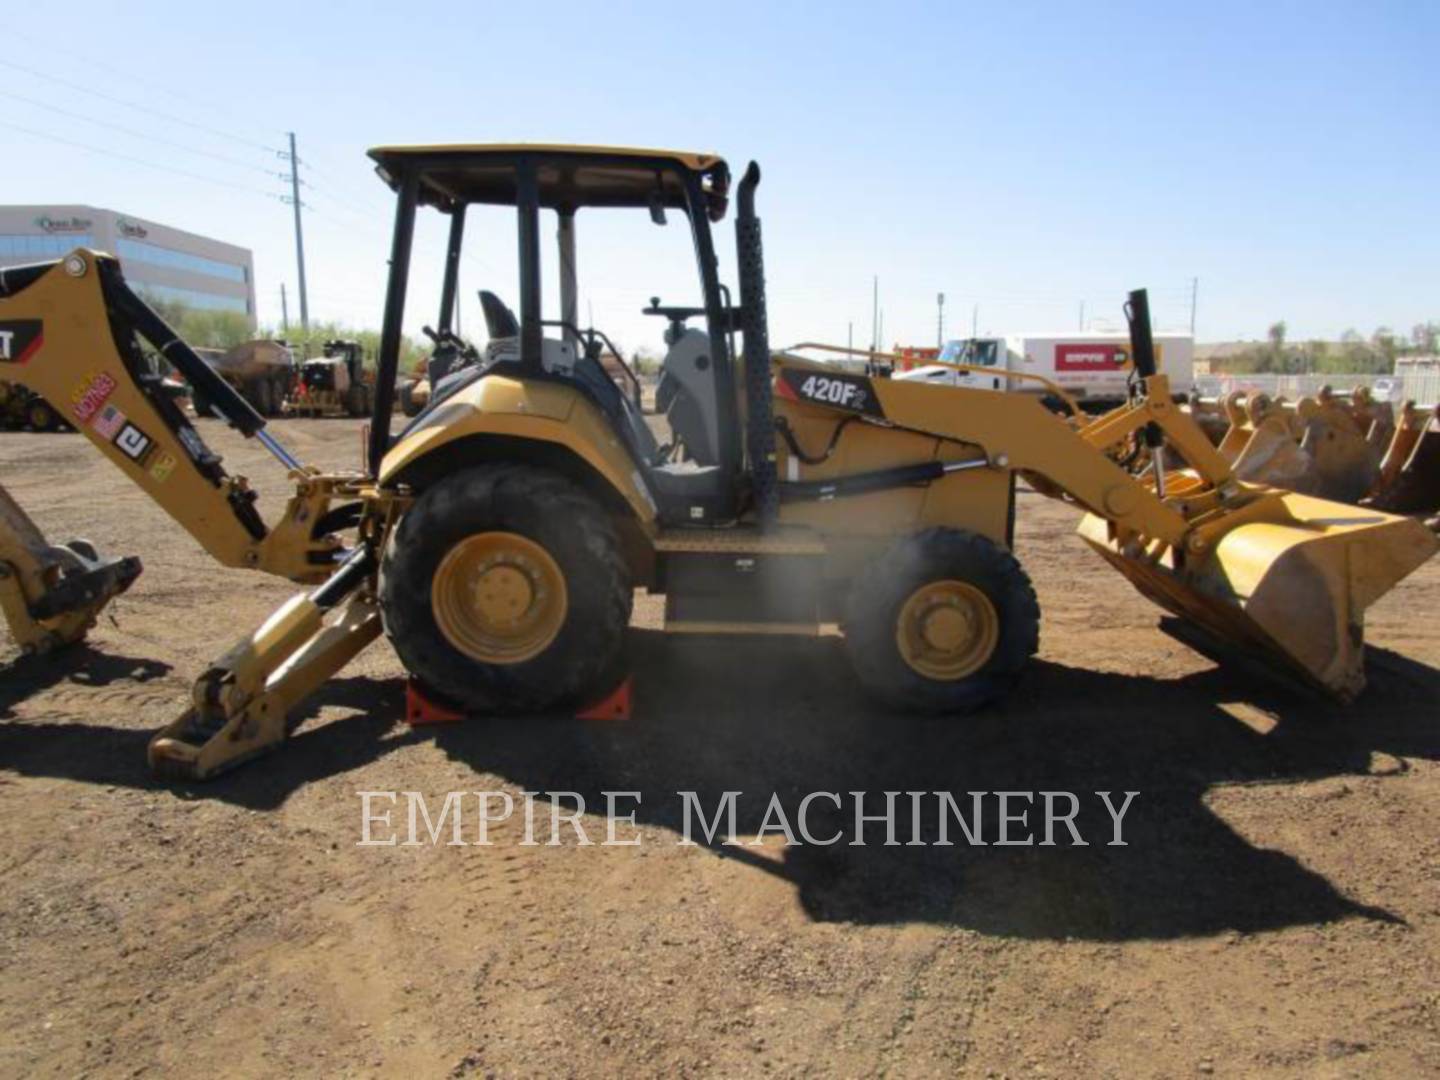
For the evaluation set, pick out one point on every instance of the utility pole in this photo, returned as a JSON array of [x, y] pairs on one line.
[[1194, 291], [1082, 316], [940, 320], [975, 321], [850, 335], [284, 310], [294, 201]]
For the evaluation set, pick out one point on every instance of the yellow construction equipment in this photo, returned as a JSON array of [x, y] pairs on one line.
[[1321, 445], [333, 384], [1410, 471], [51, 594], [499, 536], [20, 408], [1351, 449]]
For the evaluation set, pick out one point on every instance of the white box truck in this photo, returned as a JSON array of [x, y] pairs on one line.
[[1092, 367]]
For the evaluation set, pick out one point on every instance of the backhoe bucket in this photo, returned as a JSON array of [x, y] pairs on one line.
[[1318, 446], [1289, 585], [1416, 486], [1346, 468]]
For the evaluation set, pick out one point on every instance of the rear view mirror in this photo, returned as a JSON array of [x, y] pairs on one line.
[[657, 209]]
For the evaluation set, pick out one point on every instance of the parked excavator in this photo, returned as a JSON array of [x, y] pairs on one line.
[[498, 537]]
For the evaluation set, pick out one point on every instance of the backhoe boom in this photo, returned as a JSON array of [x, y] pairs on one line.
[[71, 332]]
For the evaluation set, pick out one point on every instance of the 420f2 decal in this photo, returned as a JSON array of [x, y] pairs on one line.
[[838, 390]]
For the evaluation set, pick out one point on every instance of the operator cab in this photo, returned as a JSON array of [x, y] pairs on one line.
[[691, 474]]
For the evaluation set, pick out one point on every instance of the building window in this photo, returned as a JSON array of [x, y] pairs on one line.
[[155, 255], [193, 298], [43, 247]]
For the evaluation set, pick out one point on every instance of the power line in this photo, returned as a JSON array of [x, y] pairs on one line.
[[131, 158], [70, 56], [139, 108], [133, 133]]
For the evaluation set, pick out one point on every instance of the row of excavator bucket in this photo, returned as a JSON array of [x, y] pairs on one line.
[[1347, 448]]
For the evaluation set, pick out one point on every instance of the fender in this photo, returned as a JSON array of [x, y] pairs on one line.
[[545, 412]]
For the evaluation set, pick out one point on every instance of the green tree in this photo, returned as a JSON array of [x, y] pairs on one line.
[[1386, 344], [1424, 337], [201, 328]]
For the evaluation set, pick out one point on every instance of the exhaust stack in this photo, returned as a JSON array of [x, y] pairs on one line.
[[760, 427]]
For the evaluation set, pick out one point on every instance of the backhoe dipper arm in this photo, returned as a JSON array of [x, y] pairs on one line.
[[69, 331]]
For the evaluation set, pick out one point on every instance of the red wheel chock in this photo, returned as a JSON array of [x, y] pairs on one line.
[[613, 706], [421, 709]]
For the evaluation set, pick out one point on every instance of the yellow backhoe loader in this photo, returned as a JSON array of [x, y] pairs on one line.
[[498, 537]]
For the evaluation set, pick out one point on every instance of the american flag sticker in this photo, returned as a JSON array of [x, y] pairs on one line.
[[108, 421]]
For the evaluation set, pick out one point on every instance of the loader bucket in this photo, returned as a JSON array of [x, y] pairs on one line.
[[1290, 585], [1315, 447], [1242, 412], [1377, 422], [1210, 416], [1409, 426], [1345, 468], [1266, 450], [1416, 488]]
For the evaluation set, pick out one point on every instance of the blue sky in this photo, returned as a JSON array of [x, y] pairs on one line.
[[1021, 158]]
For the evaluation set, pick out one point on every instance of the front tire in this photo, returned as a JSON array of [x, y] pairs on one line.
[[504, 588], [41, 416], [357, 400], [944, 622]]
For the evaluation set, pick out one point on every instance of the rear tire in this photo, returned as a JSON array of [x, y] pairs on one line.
[[575, 538], [406, 393], [966, 591], [357, 401], [260, 397]]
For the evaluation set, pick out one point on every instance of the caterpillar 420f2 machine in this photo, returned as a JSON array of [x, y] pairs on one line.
[[498, 538]]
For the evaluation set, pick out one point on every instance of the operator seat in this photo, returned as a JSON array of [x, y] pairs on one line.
[[500, 321], [687, 396], [688, 491], [559, 360]]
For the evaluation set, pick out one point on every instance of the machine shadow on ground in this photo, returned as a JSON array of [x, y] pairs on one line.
[[73, 749], [795, 722]]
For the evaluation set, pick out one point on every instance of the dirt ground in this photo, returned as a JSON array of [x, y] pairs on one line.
[[1276, 910]]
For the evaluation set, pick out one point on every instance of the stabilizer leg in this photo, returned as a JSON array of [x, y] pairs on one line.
[[241, 704]]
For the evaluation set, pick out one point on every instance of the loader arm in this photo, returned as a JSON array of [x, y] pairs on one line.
[[1282, 575], [71, 330]]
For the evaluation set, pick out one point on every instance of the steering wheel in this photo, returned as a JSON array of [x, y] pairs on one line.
[[676, 315], [448, 339]]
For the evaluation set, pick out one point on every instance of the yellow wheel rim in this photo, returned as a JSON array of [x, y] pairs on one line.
[[947, 630], [499, 598]]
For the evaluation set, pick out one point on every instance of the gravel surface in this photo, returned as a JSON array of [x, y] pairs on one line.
[[1275, 911]]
